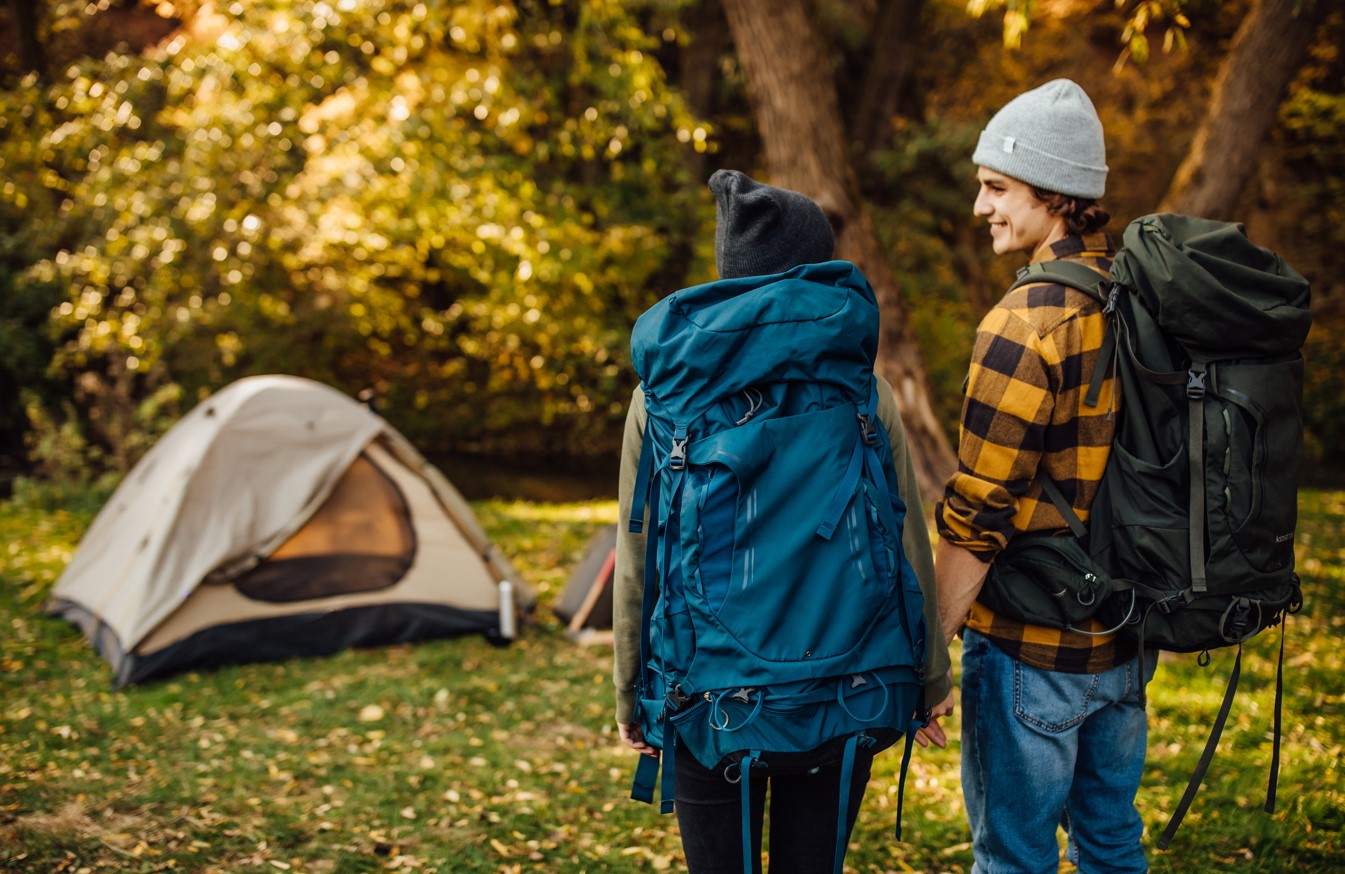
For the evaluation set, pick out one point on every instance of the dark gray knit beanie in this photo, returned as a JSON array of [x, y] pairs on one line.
[[1049, 137], [761, 229]]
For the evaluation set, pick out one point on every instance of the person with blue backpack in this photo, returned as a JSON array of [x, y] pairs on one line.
[[1054, 730], [775, 617]]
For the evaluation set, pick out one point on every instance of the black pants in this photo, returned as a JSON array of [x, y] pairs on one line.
[[803, 807]]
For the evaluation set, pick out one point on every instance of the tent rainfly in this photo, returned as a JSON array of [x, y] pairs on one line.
[[281, 518]]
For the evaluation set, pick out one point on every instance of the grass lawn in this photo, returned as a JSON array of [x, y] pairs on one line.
[[454, 756]]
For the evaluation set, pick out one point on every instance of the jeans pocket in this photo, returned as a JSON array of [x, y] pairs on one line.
[[1051, 701]]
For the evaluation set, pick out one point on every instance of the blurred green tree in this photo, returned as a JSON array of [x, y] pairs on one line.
[[462, 206]]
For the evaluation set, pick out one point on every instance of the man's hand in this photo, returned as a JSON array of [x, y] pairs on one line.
[[960, 576], [933, 732], [633, 736]]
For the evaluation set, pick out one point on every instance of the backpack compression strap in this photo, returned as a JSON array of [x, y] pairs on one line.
[[1195, 453], [647, 769], [864, 455], [850, 481], [673, 524], [647, 495]]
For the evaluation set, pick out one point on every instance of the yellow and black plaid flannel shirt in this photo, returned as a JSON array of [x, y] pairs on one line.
[[1024, 413]]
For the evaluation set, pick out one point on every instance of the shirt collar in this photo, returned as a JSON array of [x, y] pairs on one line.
[[1098, 245]]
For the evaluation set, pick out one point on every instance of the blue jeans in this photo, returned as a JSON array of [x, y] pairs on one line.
[[1043, 750]]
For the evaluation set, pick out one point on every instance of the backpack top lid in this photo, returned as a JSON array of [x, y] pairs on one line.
[[710, 341], [1212, 289]]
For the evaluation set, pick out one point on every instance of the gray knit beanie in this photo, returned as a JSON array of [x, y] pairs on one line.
[[1050, 138], [761, 230]]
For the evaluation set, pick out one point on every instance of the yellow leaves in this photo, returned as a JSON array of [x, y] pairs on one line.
[[1148, 14], [1017, 17], [657, 861]]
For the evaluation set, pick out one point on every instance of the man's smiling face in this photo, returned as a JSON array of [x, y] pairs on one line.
[[1019, 222]]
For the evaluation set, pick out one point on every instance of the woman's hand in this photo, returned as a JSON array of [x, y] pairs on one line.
[[933, 732], [633, 736]]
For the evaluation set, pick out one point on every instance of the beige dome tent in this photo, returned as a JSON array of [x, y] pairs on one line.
[[281, 518]]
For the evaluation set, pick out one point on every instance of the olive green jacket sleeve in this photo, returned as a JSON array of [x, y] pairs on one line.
[[628, 583], [919, 548], [628, 577]]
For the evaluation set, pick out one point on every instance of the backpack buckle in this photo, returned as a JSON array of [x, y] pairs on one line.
[[1175, 601], [866, 431], [1195, 384], [1113, 297], [676, 697], [677, 456]]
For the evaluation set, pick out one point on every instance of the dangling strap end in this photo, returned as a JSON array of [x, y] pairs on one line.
[[1203, 765], [843, 806], [646, 776], [643, 478], [844, 492], [745, 786], [1279, 703], [669, 749], [905, 765]]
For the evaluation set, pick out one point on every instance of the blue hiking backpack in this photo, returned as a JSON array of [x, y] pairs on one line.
[[783, 627]]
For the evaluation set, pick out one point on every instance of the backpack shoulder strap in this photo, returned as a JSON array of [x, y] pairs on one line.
[[1069, 273], [1096, 285]]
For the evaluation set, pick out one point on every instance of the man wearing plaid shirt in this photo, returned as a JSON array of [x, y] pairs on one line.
[[1053, 727]]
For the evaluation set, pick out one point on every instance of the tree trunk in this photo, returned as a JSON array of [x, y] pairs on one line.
[[698, 67], [793, 93], [1267, 51], [889, 73], [697, 72], [31, 55]]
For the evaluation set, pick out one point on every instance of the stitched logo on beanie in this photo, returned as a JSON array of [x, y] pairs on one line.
[[1008, 144]]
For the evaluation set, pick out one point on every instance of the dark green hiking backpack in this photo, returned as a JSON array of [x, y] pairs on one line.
[[1191, 535]]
